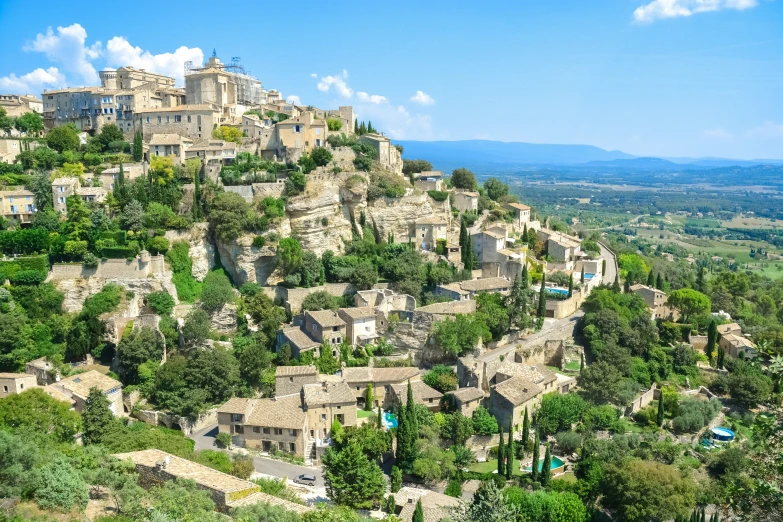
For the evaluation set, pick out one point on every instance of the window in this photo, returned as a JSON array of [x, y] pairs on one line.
[[292, 447], [235, 417], [61, 199], [177, 118], [292, 433], [297, 128], [281, 446], [278, 431], [21, 386], [5, 389], [290, 379], [256, 429], [323, 415], [167, 119], [159, 119], [239, 430], [188, 118], [317, 132], [267, 431]]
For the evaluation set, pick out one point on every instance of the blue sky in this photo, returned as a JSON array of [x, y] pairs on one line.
[[649, 77]]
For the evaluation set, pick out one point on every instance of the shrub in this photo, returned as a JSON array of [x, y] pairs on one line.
[[321, 156], [158, 245], [694, 414], [90, 260], [568, 441], [160, 302], [216, 292], [334, 124], [223, 440], [438, 195], [28, 277], [259, 241]]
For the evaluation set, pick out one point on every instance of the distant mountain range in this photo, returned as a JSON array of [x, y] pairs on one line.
[[479, 154]]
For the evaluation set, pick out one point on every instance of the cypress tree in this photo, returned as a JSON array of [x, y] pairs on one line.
[[581, 362], [616, 284], [97, 418], [659, 418], [369, 399], [721, 357], [524, 233], [571, 286], [138, 146], [501, 454], [379, 420], [197, 195], [700, 279], [410, 408], [712, 338], [376, 233], [659, 282], [463, 238], [356, 125], [546, 467], [627, 286], [703, 515], [541, 312], [418, 513], [510, 453], [526, 431], [362, 218], [651, 279], [525, 278], [534, 465], [470, 259], [582, 276]]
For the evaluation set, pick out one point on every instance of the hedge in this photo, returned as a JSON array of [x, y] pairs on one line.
[[24, 241], [438, 195], [119, 252], [8, 268], [118, 236], [28, 277]]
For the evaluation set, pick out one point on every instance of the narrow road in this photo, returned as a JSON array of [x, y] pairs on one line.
[[611, 264], [205, 440]]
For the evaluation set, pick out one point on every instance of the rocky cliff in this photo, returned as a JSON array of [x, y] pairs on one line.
[[202, 250]]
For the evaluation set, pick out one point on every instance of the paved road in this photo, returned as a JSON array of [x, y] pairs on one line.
[[205, 440], [611, 264]]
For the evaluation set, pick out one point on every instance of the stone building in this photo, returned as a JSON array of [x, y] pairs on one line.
[[465, 201], [192, 120], [128, 77], [360, 325], [466, 400], [156, 467], [325, 402], [11, 383], [380, 378], [299, 341], [397, 396], [18, 205], [226, 86], [290, 379], [44, 371], [17, 104], [10, 150], [464, 290], [737, 345], [278, 424], [428, 180], [300, 134], [213, 155], [325, 326], [520, 213], [657, 301], [509, 400], [428, 231], [63, 188], [388, 155], [78, 388], [564, 249], [169, 146]]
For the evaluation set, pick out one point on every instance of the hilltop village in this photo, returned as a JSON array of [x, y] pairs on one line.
[[217, 287]]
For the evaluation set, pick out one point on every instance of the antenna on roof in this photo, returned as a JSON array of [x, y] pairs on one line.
[[214, 53]]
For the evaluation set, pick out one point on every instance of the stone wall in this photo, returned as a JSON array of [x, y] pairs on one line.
[[643, 400], [185, 424], [138, 268], [293, 297], [271, 190], [246, 191]]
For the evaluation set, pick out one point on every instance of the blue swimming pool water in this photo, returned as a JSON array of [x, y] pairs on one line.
[[557, 291], [390, 420], [589, 276], [556, 463]]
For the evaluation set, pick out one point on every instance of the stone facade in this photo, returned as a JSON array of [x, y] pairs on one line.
[[12, 383]]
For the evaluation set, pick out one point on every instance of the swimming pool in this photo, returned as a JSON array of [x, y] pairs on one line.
[[721, 434], [589, 276], [560, 291], [556, 465], [389, 420]]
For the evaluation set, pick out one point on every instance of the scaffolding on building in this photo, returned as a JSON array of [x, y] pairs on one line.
[[248, 88]]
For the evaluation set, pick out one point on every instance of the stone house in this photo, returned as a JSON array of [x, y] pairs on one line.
[[169, 146], [657, 301], [108, 177], [44, 371], [78, 388], [464, 290], [428, 231], [213, 155], [325, 402], [299, 341], [156, 467], [62, 189], [388, 155], [193, 121], [16, 105], [9, 150], [385, 301], [465, 201], [397, 396], [488, 244], [520, 213], [509, 400], [563, 249], [380, 378], [252, 126], [360, 324], [290, 379], [730, 328], [467, 399], [325, 326], [735, 345], [435, 506], [302, 133], [11, 383], [278, 424], [428, 180], [18, 205]]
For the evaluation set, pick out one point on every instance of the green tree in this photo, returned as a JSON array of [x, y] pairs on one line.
[[321, 156], [225, 133], [639, 491], [216, 292], [132, 216], [601, 382], [488, 505], [327, 363], [541, 311], [501, 454], [396, 479], [495, 189], [650, 279], [29, 123], [37, 412], [196, 328], [484, 423], [559, 412], [138, 145], [160, 302], [289, 255], [570, 286], [460, 335], [526, 431], [63, 138], [510, 452], [418, 513], [689, 302], [229, 216], [351, 479], [463, 178], [61, 486], [368, 397], [97, 418], [546, 467], [659, 417], [140, 346], [534, 474], [659, 281], [712, 339]]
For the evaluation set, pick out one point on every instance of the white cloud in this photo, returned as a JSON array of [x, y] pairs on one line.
[[718, 133], [293, 98], [339, 84], [68, 48], [119, 53], [769, 130], [313, 75], [396, 121], [422, 98], [370, 98], [661, 9], [33, 82]]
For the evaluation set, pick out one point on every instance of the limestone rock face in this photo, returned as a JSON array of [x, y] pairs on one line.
[[319, 219], [246, 263], [77, 290], [398, 215], [202, 250], [225, 320]]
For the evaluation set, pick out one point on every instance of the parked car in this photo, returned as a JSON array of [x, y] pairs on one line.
[[307, 480]]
